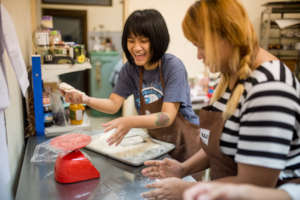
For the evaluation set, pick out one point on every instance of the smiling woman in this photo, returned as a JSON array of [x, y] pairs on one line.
[[159, 84]]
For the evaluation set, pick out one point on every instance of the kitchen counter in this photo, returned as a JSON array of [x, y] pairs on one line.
[[118, 181]]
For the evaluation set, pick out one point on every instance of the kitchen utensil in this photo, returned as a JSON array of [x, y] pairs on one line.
[[72, 166]]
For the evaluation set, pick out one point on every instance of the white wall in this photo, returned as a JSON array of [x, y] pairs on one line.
[[173, 12], [110, 17], [14, 113]]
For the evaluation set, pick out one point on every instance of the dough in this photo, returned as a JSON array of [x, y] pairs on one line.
[[131, 146], [65, 87], [130, 141], [70, 142]]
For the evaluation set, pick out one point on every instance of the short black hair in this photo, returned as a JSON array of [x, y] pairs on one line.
[[151, 24]]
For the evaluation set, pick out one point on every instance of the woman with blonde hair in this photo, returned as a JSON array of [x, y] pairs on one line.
[[250, 132]]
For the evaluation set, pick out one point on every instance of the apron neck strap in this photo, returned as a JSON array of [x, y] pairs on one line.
[[142, 100]]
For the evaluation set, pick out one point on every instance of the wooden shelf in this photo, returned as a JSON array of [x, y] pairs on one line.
[[57, 130], [50, 72]]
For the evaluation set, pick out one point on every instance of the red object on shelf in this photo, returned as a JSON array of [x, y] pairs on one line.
[[74, 167]]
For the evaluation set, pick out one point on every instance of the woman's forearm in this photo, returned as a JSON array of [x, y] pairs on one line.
[[103, 105], [151, 121], [251, 192], [255, 175], [198, 162]]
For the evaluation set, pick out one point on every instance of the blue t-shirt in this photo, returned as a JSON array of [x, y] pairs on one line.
[[176, 85]]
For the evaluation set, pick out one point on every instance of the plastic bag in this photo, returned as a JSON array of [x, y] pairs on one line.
[[61, 145], [57, 109], [44, 152]]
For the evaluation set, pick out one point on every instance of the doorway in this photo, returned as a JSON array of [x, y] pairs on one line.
[[72, 25]]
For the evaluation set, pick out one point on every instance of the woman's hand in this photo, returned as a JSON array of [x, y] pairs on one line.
[[71, 94], [122, 127], [163, 168], [75, 96], [216, 191], [229, 191], [166, 189], [210, 191]]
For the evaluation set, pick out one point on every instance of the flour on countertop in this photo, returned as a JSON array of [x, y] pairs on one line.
[[136, 147]]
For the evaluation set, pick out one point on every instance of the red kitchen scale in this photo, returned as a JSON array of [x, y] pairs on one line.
[[73, 166]]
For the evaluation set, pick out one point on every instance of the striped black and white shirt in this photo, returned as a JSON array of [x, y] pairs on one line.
[[264, 130]]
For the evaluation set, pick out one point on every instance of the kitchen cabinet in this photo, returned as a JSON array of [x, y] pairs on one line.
[[103, 63], [280, 32], [49, 74]]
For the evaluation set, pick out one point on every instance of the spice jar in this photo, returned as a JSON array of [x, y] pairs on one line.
[[76, 113]]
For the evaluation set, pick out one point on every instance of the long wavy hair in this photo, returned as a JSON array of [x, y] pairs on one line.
[[208, 21]]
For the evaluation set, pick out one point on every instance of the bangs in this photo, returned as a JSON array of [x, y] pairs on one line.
[[138, 27]]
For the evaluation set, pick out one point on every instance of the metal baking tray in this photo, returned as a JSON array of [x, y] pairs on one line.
[[131, 154]]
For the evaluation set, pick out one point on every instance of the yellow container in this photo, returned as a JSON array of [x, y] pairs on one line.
[[76, 113]]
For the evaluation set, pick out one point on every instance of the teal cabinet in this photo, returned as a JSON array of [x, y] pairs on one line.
[[103, 64]]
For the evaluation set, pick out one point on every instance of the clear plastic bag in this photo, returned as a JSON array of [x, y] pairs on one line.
[[58, 109], [44, 152], [59, 146]]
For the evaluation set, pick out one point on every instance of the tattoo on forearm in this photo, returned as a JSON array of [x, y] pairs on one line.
[[162, 119]]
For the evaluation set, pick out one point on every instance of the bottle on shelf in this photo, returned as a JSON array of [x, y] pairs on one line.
[[48, 115], [76, 113]]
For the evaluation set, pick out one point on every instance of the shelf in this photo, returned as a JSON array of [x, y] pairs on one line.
[[274, 25], [284, 57], [58, 130], [295, 51], [199, 101], [283, 7], [50, 72], [198, 106], [285, 38]]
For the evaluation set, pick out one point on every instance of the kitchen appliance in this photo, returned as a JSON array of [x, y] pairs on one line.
[[72, 165]]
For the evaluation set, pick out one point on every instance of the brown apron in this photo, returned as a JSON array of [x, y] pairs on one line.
[[211, 128], [182, 133]]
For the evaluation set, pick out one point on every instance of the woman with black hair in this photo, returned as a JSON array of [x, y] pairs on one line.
[[159, 84]]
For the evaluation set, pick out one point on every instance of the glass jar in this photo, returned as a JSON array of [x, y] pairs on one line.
[[76, 113]]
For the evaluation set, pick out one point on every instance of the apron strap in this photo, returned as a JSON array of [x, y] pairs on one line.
[[142, 100], [161, 77]]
